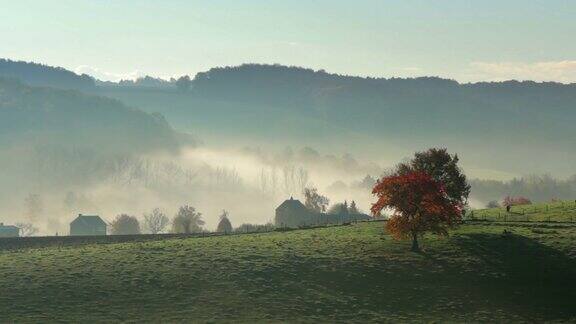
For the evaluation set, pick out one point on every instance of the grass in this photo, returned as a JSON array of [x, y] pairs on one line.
[[561, 211], [353, 273]]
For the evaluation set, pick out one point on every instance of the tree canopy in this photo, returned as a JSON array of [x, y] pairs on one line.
[[442, 167], [224, 226], [420, 203], [125, 225], [187, 221], [315, 201], [156, 221]]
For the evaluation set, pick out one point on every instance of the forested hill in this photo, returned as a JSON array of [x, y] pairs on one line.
[[43, 75], [420, 107], [497, 125], [395, 101], [510, 120], [35, 115]]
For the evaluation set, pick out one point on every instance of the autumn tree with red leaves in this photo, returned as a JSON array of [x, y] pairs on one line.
[[420, 205]]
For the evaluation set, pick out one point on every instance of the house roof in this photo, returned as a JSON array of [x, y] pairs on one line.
[[291, 203], [8, 227], [88, 220]]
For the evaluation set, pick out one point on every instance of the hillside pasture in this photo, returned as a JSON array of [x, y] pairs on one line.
[[353, 273], [560, 211]]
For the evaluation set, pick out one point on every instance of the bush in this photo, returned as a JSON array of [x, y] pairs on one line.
[[255, 228], [492, 204]]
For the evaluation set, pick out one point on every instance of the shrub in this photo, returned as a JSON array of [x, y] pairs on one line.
[[254, 228], [492, 204]]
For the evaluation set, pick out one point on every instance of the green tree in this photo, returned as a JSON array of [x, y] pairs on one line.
[[187, 221], [183, 83], [339, 209], [442, 167], [492, 204], [125, 225], [353, 209], [224, 226]]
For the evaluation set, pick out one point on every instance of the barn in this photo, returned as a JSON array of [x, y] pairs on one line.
[[87, 225], [9, 231], [293, 213]]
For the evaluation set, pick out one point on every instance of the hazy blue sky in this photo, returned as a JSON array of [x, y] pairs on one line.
[[465, 40]]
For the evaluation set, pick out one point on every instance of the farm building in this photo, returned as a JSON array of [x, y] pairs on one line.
[[293, 213], [88, 225], [9, 231]]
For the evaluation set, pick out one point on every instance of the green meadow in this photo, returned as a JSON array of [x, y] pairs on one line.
[[559, 211], [354, 273]]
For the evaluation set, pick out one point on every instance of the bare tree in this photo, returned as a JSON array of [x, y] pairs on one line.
[[274, 179], [27, 229], [263, 179], [33, 204], [156, 221], [315, 201], [289, 179], [302, 179]]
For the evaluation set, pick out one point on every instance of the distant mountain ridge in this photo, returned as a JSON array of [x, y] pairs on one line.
[[46, 116], [510, 119], [43, 75], [282, 104], [376, 105]]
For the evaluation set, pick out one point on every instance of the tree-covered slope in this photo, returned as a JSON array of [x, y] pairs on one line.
[[44, 75], [495, 126], [37, 115]]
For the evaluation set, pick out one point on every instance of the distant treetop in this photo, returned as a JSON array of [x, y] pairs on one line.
[[43, 75]]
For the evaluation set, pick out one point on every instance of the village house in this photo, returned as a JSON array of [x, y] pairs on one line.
[[87, 225], [293, 213], [9, 231]]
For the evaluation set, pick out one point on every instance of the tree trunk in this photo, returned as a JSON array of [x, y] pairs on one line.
[[415, 246]]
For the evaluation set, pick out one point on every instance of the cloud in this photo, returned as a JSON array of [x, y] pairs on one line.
[[107, 76], [559, 71]]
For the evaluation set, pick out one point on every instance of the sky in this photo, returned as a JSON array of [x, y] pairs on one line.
[[482, 40]]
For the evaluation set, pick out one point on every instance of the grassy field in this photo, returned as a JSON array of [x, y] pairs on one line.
[[561, 211], [353, 273]]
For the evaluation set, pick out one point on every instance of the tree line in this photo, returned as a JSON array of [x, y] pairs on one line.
[[187, 220]]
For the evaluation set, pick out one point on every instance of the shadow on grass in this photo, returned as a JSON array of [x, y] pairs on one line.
[[524, 275]]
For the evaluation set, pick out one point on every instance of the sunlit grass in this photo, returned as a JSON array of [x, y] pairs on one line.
[[561, 211], [351, 273]]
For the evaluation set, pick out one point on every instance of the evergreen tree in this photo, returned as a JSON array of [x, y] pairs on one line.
[[224, 226]]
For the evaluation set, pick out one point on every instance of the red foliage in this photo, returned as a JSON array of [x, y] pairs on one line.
[[420, 204], [516, 201]]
